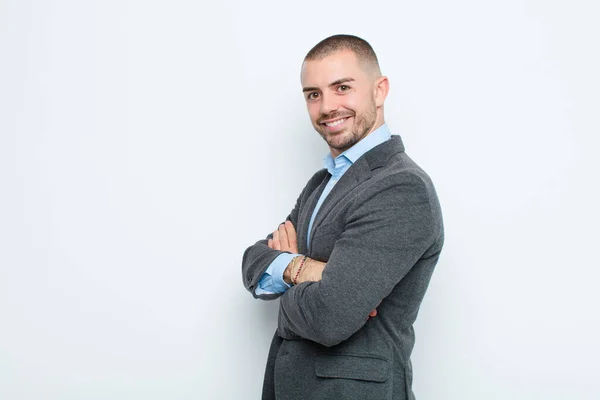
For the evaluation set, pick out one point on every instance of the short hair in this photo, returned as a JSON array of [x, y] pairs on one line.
[[363, 50]]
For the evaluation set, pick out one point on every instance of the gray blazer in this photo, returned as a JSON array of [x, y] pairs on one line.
[[380, 232]]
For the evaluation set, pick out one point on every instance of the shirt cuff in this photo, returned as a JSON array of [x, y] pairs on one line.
[[272, 279]]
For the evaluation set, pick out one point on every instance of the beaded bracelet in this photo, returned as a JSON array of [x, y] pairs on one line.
[[294, 280]]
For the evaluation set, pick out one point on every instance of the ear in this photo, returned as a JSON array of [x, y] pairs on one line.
[[381, 90]]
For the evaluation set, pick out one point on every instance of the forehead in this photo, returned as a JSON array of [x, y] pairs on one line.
[[341, 64]]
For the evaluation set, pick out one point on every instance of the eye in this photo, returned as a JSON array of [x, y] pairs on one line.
[[312, 96], [343, 88]]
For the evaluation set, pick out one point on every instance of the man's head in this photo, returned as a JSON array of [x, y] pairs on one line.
[[344, 90]]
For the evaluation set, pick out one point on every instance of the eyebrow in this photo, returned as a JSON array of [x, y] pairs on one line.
[[334, 83]]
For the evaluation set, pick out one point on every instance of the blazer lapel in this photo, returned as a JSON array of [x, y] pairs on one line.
[[355, 175], [306, 213], [359, 172]]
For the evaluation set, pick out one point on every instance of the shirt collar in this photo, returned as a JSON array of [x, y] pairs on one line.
[[350, 156]]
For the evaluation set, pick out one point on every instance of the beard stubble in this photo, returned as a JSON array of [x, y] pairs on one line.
[[363, 124]]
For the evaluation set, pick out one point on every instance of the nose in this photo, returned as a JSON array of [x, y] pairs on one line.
[[329, 104]]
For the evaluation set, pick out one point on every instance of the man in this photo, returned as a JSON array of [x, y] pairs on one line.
[[352, 261]]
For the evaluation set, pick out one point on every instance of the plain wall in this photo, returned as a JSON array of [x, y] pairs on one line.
[[145, 144]]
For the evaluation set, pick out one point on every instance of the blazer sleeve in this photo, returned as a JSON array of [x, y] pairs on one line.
[[387, 231], [259, 256]]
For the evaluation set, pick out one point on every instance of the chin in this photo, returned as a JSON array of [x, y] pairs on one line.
[[340, 141]]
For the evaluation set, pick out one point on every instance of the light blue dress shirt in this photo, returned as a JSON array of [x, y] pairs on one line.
[[272, 280]]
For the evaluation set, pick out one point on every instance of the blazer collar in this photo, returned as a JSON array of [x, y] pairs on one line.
[[379, 155]]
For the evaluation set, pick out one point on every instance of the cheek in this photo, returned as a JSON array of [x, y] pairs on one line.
[[357, 103], [313, 111], [353, 102]]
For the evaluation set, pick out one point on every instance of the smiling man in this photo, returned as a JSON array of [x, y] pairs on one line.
[[353, 259]]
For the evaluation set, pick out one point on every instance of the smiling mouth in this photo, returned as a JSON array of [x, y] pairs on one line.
[[335, 123]]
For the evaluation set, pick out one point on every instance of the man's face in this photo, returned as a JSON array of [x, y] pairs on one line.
[[340, 98]]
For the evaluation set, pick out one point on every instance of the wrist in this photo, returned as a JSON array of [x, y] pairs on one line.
[[297, 269], [312, 271], [289, 270]]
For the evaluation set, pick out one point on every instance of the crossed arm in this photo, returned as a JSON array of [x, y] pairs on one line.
[[298, 270], [388, 229]]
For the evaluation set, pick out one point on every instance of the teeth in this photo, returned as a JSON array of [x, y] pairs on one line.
[[335, 123]]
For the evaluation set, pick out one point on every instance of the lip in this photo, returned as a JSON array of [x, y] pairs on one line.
[[336, 128], [333, 119]]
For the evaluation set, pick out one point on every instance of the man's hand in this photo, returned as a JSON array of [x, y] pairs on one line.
[[284, 238], [373, 313]]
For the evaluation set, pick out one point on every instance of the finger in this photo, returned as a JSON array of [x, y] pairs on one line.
[[283, 238], [373, 313], [270, 243], [276, 244], [291, 235]]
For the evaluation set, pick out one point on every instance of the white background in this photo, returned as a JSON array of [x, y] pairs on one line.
[[145, 144]]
